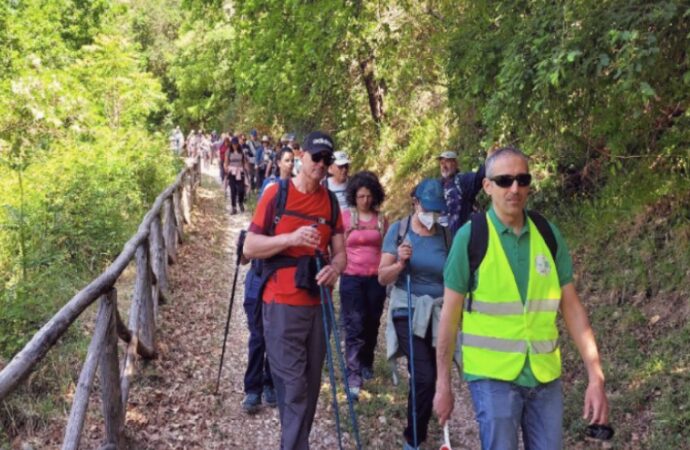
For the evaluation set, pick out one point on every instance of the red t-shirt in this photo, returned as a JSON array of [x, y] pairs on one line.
[[280, 287]]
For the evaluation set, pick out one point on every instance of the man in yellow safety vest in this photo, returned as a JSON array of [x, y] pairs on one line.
[[507, 306]]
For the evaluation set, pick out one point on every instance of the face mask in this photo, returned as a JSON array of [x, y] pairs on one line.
[[428, 219]]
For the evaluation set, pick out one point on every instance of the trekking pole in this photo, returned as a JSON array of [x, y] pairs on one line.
[[341, 359], [446, 438], [240, 245], [413, 390], [331, 369]]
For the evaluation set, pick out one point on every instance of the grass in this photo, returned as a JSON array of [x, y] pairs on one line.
[[631, 247]]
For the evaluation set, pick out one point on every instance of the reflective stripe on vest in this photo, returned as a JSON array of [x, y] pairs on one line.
[[500, 333], [509, 345]]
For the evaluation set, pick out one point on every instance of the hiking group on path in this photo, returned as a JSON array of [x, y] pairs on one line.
[[482, 289]]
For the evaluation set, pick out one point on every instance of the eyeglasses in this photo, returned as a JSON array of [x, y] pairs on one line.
[[326, 157], [506, 181]]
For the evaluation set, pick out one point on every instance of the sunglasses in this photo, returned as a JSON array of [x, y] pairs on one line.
[[506, 181], [326, 157]]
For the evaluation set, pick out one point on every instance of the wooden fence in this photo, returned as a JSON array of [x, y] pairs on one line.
[[153, 247]]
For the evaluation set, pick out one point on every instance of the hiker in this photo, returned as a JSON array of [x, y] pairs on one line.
[[205, 148], [177, 141], [236, 173], [416, 247], [262, 154], [459, 189], [507, 309], [258, 382], [222, 151], [337, 181], [249, 156], [286, 238], [361, 296], [285, 161]]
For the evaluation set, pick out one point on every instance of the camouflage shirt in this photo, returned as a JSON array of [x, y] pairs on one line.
[[460, 192]]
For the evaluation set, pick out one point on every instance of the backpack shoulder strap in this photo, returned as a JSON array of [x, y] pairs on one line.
[[354, 218], [335, 209], [479, 240], [447, 237], [280, 201], [479, 243], [380, 223], [545, 230], [403, 229]]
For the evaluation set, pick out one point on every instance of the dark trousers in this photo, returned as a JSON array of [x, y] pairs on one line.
[[260, 176], [425, 378], [296, 347], [236, 190], [362, 300], [258, 373]]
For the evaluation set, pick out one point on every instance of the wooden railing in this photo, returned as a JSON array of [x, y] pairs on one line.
[[153, 247]]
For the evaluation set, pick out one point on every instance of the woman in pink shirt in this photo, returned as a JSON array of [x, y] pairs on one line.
[[362, 297]]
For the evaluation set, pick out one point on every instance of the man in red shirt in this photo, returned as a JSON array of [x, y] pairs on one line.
[[293, 326]]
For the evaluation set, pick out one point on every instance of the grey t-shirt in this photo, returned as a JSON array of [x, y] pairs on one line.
[[339, 191], [429, 255]]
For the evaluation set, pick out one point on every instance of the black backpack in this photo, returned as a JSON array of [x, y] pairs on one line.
[[479, 242]]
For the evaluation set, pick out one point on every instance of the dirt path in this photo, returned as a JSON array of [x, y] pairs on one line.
[[172, 404]]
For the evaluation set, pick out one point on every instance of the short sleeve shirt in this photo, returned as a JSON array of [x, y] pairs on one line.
[[516, 248], [280, 287], [426, 265]]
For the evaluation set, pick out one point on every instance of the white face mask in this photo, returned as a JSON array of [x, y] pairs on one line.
[[428, 219]]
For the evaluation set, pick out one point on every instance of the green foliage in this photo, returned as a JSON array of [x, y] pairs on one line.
[[78, 168]]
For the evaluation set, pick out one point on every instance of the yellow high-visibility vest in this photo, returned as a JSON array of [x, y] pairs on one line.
[[500, 332]]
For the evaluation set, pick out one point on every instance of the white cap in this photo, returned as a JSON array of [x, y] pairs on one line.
[[447, 155], [264, 138], [341, 158]]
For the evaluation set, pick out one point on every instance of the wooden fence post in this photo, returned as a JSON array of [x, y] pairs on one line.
[[88, 371], [178, 214], [187, 198], [146, 329], [158, 263], [141, 323], [111, 399], [170, 231]]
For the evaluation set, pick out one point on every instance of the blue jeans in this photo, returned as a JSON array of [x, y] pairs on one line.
[[501, 408]]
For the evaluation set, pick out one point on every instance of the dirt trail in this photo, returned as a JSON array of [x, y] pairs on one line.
[[172, 404]]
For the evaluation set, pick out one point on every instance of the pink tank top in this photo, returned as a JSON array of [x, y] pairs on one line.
[[363, 245]]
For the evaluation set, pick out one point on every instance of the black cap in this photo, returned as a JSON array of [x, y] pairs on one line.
[[318, 141]]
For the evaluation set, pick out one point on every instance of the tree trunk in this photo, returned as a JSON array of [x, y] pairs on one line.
[[376, 89]]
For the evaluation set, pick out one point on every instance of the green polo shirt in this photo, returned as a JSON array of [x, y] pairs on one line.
[[456, 275]]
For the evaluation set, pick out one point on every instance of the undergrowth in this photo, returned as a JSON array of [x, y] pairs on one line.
[[631, 247]]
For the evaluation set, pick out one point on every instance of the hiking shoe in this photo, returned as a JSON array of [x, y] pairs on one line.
[[234, 210], [270, 396], [408, 446], [241, 207], [251, 403], [354, 393], [367, 373]]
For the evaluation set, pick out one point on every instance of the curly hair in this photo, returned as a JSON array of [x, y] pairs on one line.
[[365, 179]]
